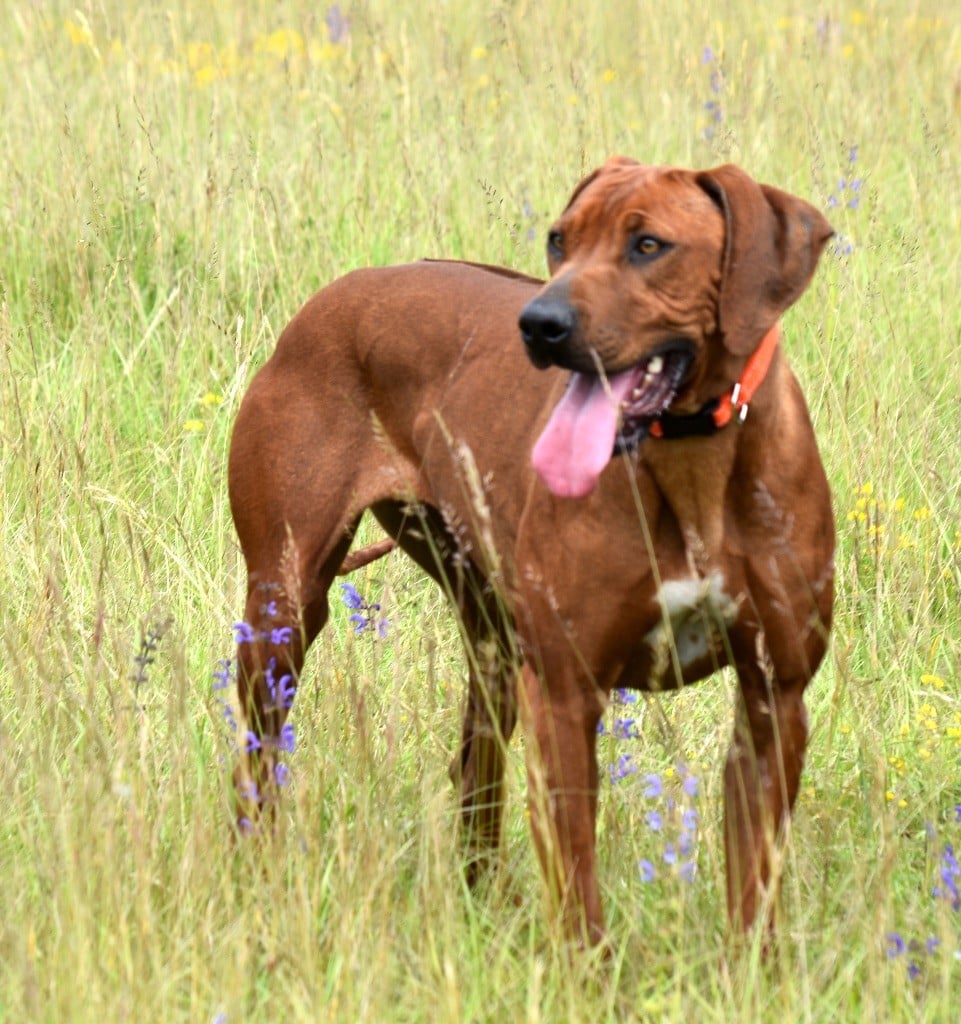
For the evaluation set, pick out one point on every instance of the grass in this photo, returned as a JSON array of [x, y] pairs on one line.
[[177, 180]]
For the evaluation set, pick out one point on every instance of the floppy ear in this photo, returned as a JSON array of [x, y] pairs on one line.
[[610, 164], [773, 244]]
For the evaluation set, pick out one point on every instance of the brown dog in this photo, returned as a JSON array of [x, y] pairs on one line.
[[655, 543]]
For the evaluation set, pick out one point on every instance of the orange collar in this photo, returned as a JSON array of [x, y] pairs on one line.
[[719, 412]]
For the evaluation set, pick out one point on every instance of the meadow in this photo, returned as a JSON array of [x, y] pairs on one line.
[[175, 180]]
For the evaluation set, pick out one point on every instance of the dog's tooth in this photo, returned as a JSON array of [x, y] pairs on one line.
[[655, 365]]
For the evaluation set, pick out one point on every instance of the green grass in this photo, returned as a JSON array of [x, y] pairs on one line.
[[176, 180]]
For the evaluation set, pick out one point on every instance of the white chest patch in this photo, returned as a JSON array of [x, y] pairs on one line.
[[694, 614]]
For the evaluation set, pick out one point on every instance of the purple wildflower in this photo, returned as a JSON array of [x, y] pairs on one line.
[[281, 774], [287, 740], [950, 873], [670, 854], [647, 869], [228, 715], [365, 615], [654, 787], [716, 82], [621, 769], [896, 945], [359, 621], [283, 690], [848, 193], [688, 870], [281, 635], [253, 742], [244, 633], [338, 27], [625, 729], [249, 791], [654, 821], [223, 676]]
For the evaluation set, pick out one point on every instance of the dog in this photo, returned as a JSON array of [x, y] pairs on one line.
[[613, 475]]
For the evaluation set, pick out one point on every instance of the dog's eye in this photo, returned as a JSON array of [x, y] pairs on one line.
[[555, 245], [645, 247]]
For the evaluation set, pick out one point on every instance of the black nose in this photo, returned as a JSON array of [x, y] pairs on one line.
[[547, 325]]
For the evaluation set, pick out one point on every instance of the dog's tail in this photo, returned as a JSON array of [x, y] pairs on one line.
[[364, 556]]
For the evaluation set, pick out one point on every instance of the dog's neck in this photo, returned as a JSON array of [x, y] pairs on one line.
[[694, 485]]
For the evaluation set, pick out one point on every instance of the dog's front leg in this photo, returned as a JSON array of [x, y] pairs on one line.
[[561, 728], [761, 781]]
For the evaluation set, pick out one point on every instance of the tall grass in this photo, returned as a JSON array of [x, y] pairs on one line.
[[176, 180]]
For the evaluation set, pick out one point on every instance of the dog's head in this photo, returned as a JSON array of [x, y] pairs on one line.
[[663, 282]]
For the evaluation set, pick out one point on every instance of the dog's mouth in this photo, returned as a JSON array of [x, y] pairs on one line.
[[598, 417], [654, 387]]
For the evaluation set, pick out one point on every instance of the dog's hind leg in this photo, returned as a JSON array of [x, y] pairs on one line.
[[301, 473], [287, 606], [490, 715]]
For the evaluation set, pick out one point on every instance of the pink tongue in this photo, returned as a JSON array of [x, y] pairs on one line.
[[578, 440]]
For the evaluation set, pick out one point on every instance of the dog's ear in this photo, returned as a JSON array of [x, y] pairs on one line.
[[610, 164], [773, 242]]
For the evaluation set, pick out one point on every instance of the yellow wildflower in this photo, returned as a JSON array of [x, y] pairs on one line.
[[206, 74], [79, 35], [200, 55], [282, 44]]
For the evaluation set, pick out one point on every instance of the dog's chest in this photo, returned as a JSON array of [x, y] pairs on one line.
[[695, 614]]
